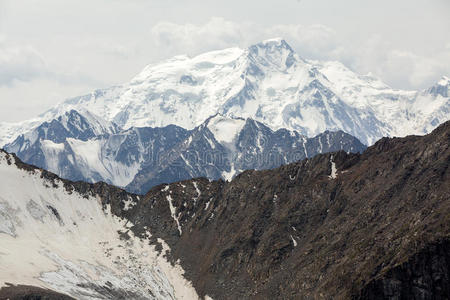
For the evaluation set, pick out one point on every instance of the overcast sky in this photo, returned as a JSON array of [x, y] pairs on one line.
[[54, 49]]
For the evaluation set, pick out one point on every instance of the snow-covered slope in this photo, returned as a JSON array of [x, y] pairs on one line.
[[402, 112], [10, 131], [225, 130], [267, 82], [140, 158], [72, 243]]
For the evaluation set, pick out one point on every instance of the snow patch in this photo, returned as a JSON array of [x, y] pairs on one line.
[[333, 174], [51, 152], [128, 203], [294, 241], [197, 190], [228, 176], [207, 204], [225, 130], [173, 213]]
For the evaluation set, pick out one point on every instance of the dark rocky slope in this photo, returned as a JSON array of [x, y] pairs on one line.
[[424, 276], [379, 230], [296, 233], [24, 292]]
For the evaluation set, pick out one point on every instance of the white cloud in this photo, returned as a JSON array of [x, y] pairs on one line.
[[398, 67], [192, 39], [402, 65], [26, 99], [20, 63], [313, 41], [218, 33], [374, 54]]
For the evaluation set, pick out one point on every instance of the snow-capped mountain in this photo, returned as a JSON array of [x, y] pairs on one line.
[[80, 146], [140, 158], [267, 82], [223, 147], [56, 237]]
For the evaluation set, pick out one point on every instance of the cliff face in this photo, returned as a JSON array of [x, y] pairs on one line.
[[338, 226], [424, 276]]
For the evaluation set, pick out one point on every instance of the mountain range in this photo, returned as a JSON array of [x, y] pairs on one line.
[[82, 146], [374, 225], [267, 82], [235, 174]]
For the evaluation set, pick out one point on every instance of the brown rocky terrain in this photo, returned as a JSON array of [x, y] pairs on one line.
[[25, 292], [379, 229]]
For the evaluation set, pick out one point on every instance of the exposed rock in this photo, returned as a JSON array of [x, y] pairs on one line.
[[76, 147], [294, 232], [424, 276], [25, 292]]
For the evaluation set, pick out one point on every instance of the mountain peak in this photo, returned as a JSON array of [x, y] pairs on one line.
[[441, 87], [275, 41], [274, 52], [445, 81], [273, 44], [79, 124], [84, 120]]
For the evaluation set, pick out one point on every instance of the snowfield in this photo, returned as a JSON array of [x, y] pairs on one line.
[[267, 82], [70, 244]]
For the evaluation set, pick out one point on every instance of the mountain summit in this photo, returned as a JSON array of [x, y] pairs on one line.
[[441, 87], [267, 82], [274, 52]]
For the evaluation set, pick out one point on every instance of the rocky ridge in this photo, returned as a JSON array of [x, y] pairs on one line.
[[140, 158], [335, 226]]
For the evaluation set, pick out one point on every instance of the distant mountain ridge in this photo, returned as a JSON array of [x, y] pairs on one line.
[[267, 82], [140, 158]]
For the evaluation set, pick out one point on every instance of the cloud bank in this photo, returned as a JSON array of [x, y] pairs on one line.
[[20, 63], [397, 67]]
